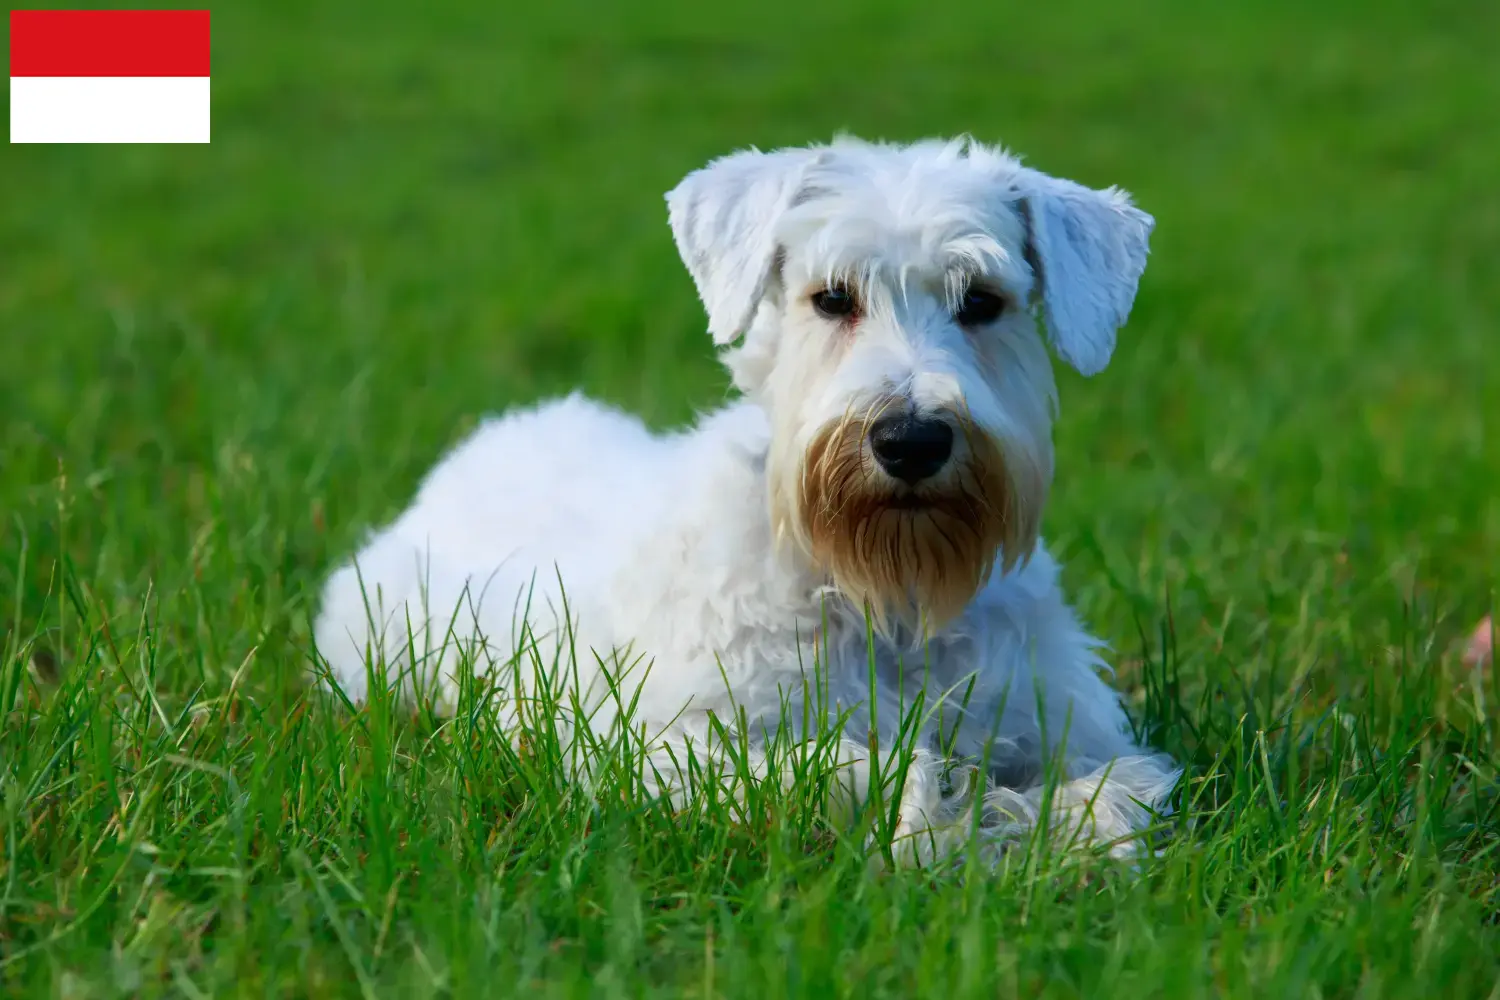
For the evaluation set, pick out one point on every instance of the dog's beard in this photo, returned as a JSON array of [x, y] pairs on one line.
[[917, 555]]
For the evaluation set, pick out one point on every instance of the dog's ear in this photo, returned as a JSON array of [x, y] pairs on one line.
[[724, 220], [1087, 249]]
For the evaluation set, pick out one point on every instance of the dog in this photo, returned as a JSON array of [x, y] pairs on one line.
[[865, 513]]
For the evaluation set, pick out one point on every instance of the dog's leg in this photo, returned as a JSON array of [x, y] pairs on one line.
[[927, 824], [1065, 760], [1109, 807]]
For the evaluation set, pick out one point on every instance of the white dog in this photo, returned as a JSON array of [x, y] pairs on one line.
[[887, 464]]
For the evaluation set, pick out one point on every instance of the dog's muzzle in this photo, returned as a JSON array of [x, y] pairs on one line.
[[908, 519]]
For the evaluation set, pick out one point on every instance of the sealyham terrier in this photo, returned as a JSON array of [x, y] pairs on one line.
[[857, 534]]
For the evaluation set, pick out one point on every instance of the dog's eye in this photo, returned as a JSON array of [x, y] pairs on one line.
[[835, 303], [979, 307]]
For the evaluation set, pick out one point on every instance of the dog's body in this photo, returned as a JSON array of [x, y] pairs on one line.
[[881, 481]]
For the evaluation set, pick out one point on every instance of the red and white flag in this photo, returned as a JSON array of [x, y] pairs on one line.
[[109, 75]]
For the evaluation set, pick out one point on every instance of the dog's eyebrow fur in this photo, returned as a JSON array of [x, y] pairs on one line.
[[967, 262]]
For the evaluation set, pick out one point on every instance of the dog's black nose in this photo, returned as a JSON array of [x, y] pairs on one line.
[[911, 449]]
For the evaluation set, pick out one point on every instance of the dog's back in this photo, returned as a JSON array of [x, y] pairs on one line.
[[537, 507]]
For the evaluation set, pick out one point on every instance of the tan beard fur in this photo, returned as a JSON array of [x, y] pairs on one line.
[[918, 557]]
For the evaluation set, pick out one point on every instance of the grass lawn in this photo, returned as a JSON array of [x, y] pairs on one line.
[[1281, 504]]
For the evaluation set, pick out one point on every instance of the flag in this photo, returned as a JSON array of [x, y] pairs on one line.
[[109, 75]]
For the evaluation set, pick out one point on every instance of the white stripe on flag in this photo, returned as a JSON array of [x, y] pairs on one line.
[[109, 109]]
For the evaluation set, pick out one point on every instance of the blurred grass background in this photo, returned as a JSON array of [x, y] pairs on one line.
[[220, 364]]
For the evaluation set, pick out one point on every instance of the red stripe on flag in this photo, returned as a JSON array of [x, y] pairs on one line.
[[109, 43]]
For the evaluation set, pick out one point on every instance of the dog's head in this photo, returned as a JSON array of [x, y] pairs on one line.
[[883, 297]]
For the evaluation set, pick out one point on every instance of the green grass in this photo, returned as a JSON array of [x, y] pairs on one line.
[[219, 364]]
